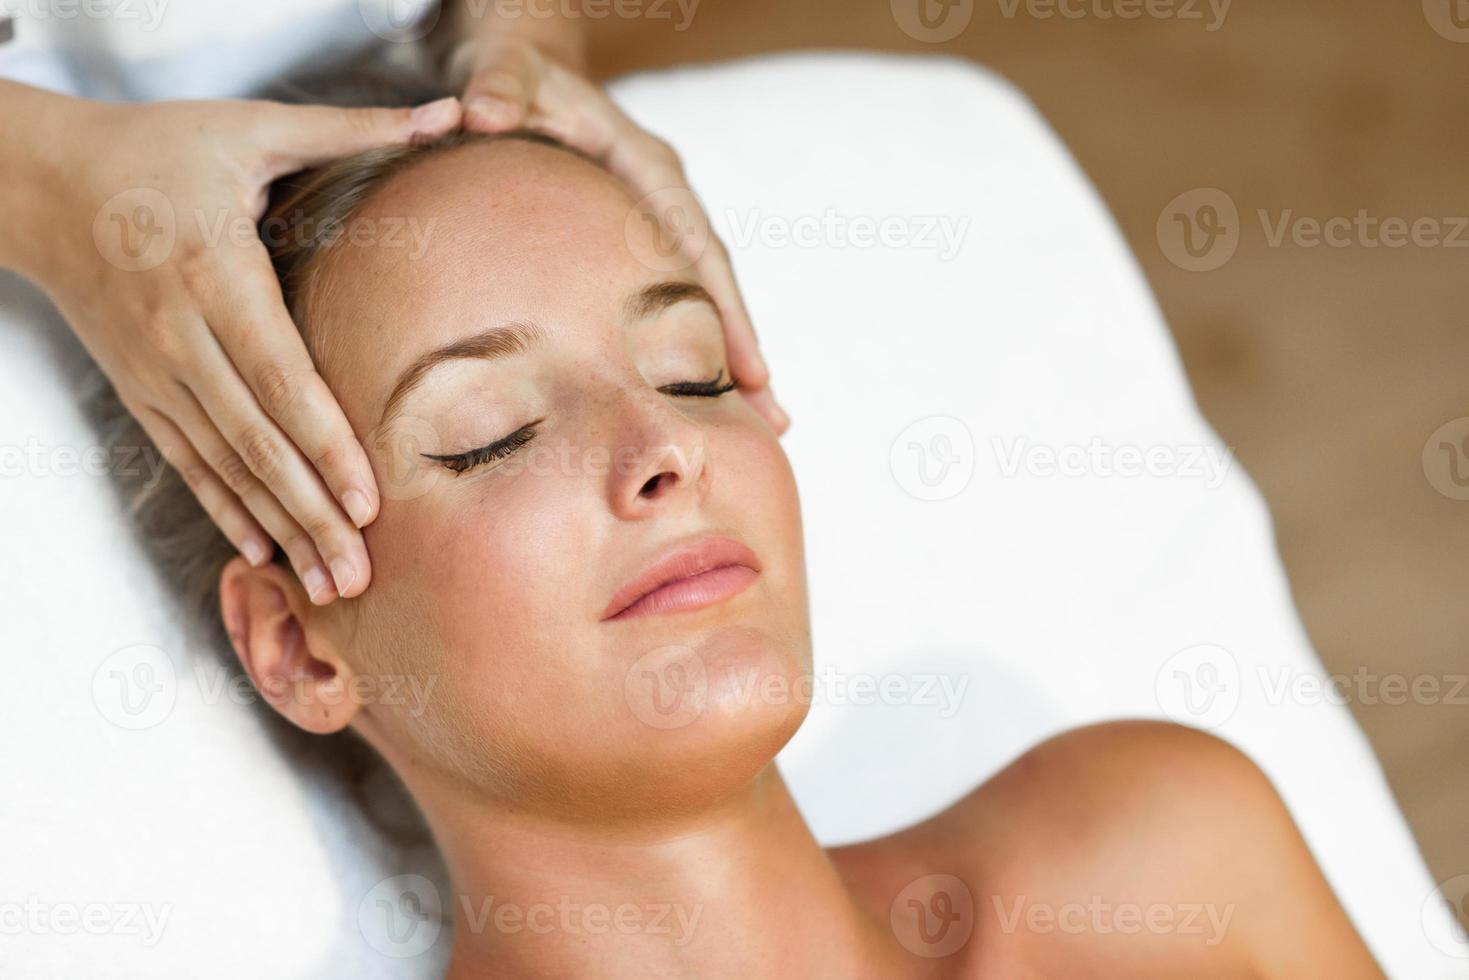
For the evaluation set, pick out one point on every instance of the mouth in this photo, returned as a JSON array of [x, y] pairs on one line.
[[695, 575]]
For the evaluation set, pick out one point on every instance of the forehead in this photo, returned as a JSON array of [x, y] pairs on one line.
[[468, 239]]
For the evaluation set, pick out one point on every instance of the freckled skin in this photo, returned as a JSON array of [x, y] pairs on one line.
[[496, 579]]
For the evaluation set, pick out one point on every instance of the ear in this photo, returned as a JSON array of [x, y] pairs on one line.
[[298, 672]]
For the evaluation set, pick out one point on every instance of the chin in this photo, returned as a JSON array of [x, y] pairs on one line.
[[714, 711]]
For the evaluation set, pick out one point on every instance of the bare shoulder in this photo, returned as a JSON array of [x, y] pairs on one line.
[[1142, 848]]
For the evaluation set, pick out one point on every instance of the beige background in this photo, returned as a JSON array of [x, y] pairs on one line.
[[1327, 368]]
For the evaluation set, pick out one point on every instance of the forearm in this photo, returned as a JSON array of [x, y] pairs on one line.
[[543, 24]]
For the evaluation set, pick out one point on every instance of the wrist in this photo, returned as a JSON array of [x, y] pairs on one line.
[[31, 157]]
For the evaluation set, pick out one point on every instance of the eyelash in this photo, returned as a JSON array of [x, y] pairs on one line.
[[501, 448]]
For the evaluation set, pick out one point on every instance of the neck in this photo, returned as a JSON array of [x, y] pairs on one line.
[[740, 890]]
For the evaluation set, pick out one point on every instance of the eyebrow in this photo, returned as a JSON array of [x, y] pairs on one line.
[[510, 339]]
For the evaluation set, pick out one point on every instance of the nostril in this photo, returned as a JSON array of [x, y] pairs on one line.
[[651, 487]]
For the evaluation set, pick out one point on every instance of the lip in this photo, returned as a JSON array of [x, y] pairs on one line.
[[684, 577]]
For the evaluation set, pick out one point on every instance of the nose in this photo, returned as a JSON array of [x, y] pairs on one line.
[[660, 461]]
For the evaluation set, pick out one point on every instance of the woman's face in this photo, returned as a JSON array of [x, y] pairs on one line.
[[522, 320]]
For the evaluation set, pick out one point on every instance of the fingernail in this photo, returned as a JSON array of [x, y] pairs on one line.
[[355, 502], [344, 573], [491, 112], [431, 114], [255, 551], [780, 413], [318, 586]]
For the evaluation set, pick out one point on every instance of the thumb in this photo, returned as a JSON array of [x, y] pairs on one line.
[[302, 136], [502, 90]]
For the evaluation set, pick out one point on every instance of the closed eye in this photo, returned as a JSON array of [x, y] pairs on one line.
[[712, 388], [499, 449]]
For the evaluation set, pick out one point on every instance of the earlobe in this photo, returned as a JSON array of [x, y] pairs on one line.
[[296, 671]]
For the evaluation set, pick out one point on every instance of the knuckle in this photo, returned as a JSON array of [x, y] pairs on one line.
[[360, 121], [320, 528], [194, 472], [234, 472], [262, 453], [277, 388]]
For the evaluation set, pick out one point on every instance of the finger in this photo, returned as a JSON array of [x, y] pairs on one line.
[[251, 323], [648, 166], [577, 112], [763, 402], [269, 454], [299, 547], [502, 89], [229, 514], [302, 136]]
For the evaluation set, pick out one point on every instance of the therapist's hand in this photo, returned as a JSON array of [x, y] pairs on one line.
[[148, 246], [510, 84]]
